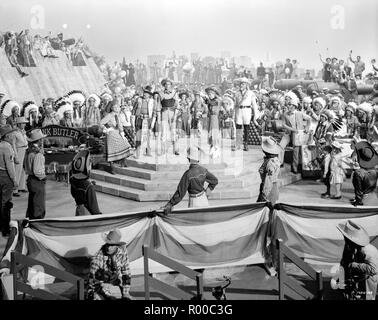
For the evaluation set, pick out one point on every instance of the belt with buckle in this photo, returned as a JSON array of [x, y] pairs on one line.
[[197, 195], [242, 107]]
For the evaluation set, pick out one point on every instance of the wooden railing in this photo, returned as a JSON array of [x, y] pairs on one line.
[[20, 265], [166, 289], [285, 280]]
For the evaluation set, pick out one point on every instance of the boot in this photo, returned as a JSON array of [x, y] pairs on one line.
[[175, 149]]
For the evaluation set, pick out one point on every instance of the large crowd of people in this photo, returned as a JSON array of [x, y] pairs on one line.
[[141, 116]]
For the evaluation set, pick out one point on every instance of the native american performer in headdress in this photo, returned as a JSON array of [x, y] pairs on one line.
[[11, 110], [31, 113], [77, 99]]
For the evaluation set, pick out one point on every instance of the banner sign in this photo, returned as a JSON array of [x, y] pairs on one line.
[[63, 132]]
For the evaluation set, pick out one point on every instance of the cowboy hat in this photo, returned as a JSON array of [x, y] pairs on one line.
[[212, 88], [193, 153], [148, 89], [164, 81], [6, 129], [366, 155], [81, 164], [113, 238], [269, 145], [21, 120], [36, 135], [355, 233], [184, 92]]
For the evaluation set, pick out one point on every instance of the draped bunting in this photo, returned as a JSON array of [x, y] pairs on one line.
[[220, 236], [196, 237]]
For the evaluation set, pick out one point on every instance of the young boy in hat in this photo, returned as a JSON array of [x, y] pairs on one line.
[[359, 263], [110, 276], [82, 190], [269, 171], [34, 165], [8, 181], [193, 181]]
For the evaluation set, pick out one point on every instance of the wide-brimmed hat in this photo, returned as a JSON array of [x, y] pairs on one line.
[[36, 135], [21, 120], [148, 89], [212, 88], [355, 233], [81, 165], [164, 81], [183, 92], [193, 153], [366, 155], [113, 238], [6, 129], [270, 145]]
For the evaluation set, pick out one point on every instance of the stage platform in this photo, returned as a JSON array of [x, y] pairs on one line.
[[156, 178]]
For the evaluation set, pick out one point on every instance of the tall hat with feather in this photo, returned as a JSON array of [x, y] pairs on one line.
[[29, 107], [63, 105], [365, 107], [335, 121], [76, 95], [7, 107], [276, 95], [320, 101], [293, 97], [96, 98], [352, 106]]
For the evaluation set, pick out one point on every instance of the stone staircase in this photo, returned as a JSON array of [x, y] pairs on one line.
[[142, 181]]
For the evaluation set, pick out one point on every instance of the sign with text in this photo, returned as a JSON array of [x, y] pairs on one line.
[[63, 132]]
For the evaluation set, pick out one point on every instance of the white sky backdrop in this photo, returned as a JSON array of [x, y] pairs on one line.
[[255, 28]]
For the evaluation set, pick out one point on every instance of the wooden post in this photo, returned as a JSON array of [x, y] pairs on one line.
[[14, 274], [146, 273], [80, 289], [319, 281], [281, 270], [199, 280]]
